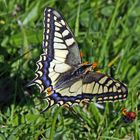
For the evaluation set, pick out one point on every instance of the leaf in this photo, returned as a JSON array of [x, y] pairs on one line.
[[107, 11], [2, 137], [32, 15], [84, 18]]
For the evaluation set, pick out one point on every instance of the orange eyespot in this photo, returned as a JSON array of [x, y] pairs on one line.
[[49, 90]]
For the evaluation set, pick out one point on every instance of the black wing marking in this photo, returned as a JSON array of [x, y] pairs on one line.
[[103, 87], [58, 37], [59, 45], [60, 59], [95, 87], [60, 51]]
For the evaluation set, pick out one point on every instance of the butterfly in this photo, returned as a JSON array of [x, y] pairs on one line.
[[62, 77]]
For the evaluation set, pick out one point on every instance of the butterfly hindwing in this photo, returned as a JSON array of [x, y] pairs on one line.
[[90, 87], [103, 87]]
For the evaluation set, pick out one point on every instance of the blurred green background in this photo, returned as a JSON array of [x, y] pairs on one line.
[[107, 31]]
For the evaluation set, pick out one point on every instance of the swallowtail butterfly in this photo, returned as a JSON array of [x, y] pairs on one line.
[[61, 75]]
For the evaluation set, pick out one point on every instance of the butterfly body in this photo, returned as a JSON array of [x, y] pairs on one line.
[[62, 76], [83, 69]]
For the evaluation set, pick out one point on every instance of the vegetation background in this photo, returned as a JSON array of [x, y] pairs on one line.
[[107, 31]]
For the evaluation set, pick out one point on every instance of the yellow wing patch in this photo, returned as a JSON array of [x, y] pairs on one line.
[[74, 90]]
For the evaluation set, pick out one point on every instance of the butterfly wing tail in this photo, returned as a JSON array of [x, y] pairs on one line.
[[50, 104]]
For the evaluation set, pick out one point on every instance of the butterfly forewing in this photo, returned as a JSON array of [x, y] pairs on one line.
[[58, 39], [60, 51]]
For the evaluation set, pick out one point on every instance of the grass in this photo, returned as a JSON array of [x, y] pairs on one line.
[[108, 32]]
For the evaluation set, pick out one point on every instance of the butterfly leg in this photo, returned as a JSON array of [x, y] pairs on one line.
[[90, 68], [85, 63]]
